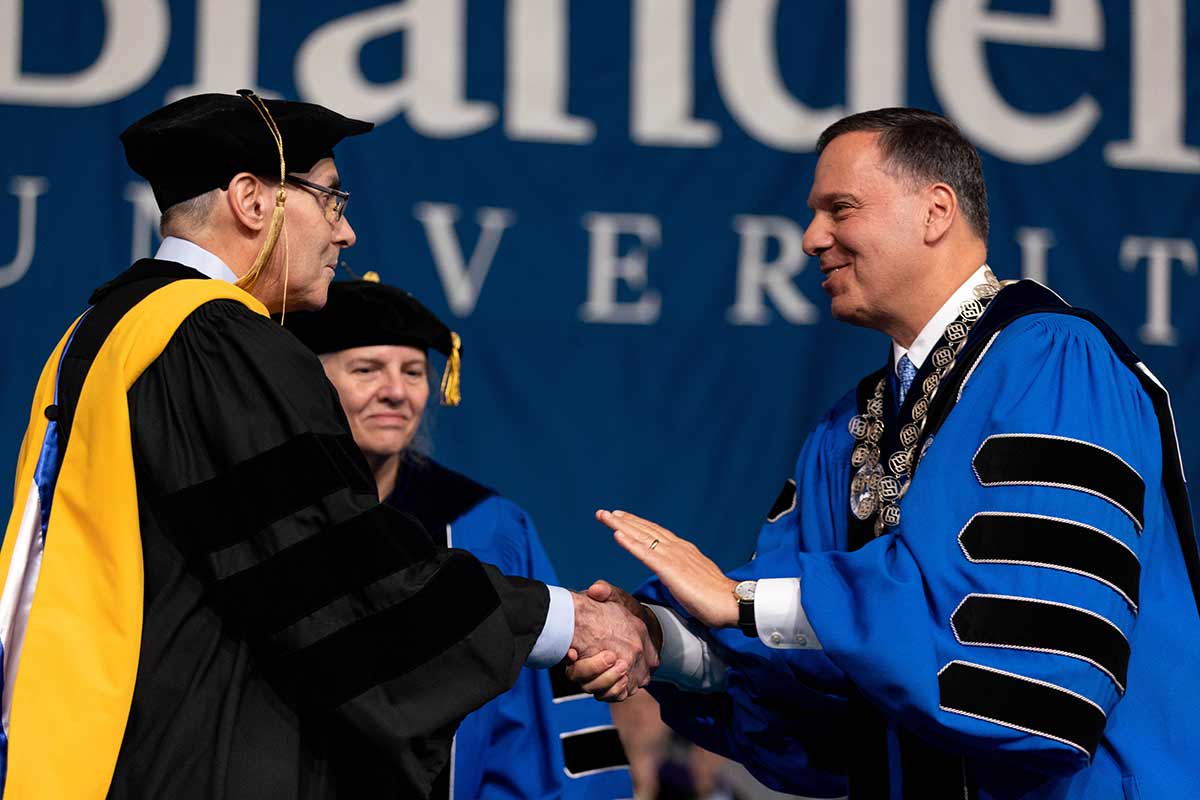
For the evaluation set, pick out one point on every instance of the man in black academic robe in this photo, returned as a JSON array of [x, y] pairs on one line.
[[226, 610]]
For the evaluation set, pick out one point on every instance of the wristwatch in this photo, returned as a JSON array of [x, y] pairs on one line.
[[744, 593]]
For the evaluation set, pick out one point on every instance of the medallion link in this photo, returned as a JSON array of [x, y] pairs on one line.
[[872, 491]]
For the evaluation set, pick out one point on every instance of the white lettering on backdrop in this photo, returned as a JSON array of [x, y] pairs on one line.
[[747, 69], [758, 278], [607, 268], [1159, 108], [226, 48], [959, 32], [135, 42], [1159, 254], [462, 280], [431, 90], [535, 103], [1035, 243], [663, 92], [27, 189]]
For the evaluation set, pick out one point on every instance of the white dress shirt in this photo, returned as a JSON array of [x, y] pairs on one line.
[[686, 659], [181, 251], [922, 346], [555, 639]]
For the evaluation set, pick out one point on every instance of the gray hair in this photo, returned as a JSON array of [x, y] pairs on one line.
[[924, 146], [189, 215]]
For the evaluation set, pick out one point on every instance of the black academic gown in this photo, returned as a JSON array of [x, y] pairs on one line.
[[299, 640]]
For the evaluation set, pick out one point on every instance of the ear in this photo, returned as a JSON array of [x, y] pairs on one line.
[[941, 211], [247, 197]]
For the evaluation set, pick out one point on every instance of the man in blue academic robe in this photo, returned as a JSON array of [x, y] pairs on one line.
[[982, 580]]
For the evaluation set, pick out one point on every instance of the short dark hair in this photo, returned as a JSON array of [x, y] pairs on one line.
[[926, 146]]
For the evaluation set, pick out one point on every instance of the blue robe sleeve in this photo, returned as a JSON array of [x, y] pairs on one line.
[[997, 617]]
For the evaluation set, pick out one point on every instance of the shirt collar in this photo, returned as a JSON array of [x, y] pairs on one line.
[[190, 254], [921, 346]]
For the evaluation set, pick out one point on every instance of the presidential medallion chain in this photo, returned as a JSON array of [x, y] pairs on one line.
[[875, 491]]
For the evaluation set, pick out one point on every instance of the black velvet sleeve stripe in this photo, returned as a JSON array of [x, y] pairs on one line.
[[1035, 707], [593, 750], [453, 602], [785, 502], [563, 688], [1037, 541], [1024, 624], [329, 563], [264, 489], [328, 512], [1041, 460]]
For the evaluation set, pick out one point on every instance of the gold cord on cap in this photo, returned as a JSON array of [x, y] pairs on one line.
[[371, 276], [452, 378], [254, 274]]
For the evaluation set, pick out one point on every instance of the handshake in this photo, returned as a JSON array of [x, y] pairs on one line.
[[618, 640], [616, 643]]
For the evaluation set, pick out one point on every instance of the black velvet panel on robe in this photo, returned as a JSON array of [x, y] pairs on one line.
[[300, 640]]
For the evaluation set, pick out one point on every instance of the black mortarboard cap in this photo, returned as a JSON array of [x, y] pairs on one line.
[[363, 313], [200, 142]]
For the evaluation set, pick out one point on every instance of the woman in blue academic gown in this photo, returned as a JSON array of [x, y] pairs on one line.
[[542, 738]]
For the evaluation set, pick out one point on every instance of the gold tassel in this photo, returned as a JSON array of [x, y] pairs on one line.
[[286, 262], [248, 281], [254, 274], [452, 378]]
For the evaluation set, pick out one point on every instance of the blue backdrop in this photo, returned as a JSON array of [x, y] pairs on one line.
[[605, 199]]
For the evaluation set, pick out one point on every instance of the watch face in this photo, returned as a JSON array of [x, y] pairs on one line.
[[744, 591]]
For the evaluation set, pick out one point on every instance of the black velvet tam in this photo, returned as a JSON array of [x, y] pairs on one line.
[[199, 143], [365, 313]]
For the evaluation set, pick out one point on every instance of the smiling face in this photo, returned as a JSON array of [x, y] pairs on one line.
[[383, 389], [313, 244], [868, 233]]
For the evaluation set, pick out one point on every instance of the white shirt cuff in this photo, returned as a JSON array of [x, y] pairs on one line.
[[686, 660], [779, 615], [555, 639]]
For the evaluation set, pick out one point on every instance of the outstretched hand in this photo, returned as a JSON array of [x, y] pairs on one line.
[[695, 581], [612, 653]]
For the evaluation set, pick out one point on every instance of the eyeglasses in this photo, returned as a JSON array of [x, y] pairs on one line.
[[333, 202]]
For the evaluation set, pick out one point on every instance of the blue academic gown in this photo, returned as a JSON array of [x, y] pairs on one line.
[[542, 738], [1032, 641]]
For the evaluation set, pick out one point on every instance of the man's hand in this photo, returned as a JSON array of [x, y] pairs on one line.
[[604, 592], [613, 647], [695, 581], [596, 674]]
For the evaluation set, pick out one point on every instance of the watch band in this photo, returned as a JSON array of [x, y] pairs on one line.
[[746, 623], [744, 594]]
